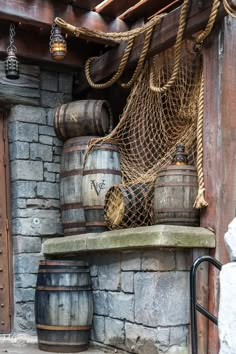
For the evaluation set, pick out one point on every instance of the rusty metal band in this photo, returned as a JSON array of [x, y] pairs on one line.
[[177, 173], [182, 167], [97, 223], [62, 288], [105, 171], [63, 328], [71, 206], [75, 172], [106, 148], [62, 344], [71, 225], [96, 207], [180, 210], [51, 270], [63, 263], [73, 233], [177, 221], [67, 150], [176, 184]]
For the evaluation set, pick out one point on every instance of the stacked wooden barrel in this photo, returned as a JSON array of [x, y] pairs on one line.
[[77, 123]]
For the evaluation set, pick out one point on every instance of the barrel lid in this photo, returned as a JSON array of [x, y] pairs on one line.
[[63, 262]]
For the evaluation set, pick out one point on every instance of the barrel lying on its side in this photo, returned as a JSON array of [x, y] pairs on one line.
[[81, 118], [63, 306]]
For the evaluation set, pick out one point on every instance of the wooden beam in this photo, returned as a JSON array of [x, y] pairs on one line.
[[38, 52], [163, 37], [219, 150], [86, 4], [42, 14], [114, 8]]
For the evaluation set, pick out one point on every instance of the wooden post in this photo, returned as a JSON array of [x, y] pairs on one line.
[[219, 149]]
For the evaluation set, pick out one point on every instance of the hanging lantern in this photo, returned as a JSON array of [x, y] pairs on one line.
[[12, 65], [58, 47]]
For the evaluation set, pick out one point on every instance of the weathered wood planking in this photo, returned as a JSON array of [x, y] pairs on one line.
[[114, 8], [219, 149], [42, 14], [25, 90], [163, 37]]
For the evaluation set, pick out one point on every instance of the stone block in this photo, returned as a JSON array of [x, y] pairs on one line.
[[57, 142], [23, 189], [52, 100], [65, 82], [18, 203], [139, 339], [95, 285], [24, 294], [52, 167], [57, 150], [40, 152], [184, 260], [227, 310], [19, 131], [49, 80], [161, 299], [179, 336], [43, 203], [23, 281], [57, 159], [131, 261], [19, 150], [46, 130], [49, 177], [121, 306], [127, 282], [28, 114], [27, 263], [100, 299], [109, 272], [26, 244], [24, 318], [26, 170], [93, 268], [163, 338], [48, 190], [98, 329], [230, 240], [114, 332], [177, 350], [46, 139], [38, 223], [162, 260], [50, 116]]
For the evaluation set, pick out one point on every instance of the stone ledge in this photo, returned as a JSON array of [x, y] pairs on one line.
[[157, 236]]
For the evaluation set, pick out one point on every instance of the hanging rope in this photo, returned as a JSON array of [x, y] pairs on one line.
[[200, 201], [229, 9]]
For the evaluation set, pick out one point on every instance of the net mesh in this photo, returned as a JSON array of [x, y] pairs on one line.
[[149, 129]]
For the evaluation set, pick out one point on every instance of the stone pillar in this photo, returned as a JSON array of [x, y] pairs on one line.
[[227, 311]]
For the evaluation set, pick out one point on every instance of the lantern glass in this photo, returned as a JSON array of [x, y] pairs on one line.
[[58, 47]]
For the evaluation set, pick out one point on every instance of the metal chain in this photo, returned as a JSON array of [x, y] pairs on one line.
[[51, 35], [12, 34]]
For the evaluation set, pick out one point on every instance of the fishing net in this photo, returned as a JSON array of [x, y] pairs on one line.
[[151, 125]]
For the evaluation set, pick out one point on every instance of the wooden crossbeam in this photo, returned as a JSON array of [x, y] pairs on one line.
[[86, 4], [163, 37], [114, 8], [42, 14]]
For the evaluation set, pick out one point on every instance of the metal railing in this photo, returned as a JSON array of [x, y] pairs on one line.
[[195, 306]]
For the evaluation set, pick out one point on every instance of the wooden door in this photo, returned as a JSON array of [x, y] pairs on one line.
[[5, 244]]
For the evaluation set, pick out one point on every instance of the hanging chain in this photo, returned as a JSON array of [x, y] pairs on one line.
[[12, 34], [51, 36]]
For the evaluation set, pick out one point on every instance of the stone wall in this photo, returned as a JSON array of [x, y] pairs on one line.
[[141, 300], [34, 153]]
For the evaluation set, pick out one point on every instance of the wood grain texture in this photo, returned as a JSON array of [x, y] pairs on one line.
[[114, 8], [25, 90], [163, 37], [42, 14], [219, 149], [86, 4]]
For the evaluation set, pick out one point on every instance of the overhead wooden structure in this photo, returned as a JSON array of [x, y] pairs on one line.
[[34, 20]]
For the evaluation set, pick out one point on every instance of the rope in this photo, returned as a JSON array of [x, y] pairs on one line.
[[229, 9], [200, 201], [117, 75], [178, 45]]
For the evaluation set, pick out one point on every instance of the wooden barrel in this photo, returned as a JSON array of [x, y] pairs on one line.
[[175, 193], [63, 306], [101, 171], [81, 118], [72, 210], [129, 206]]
